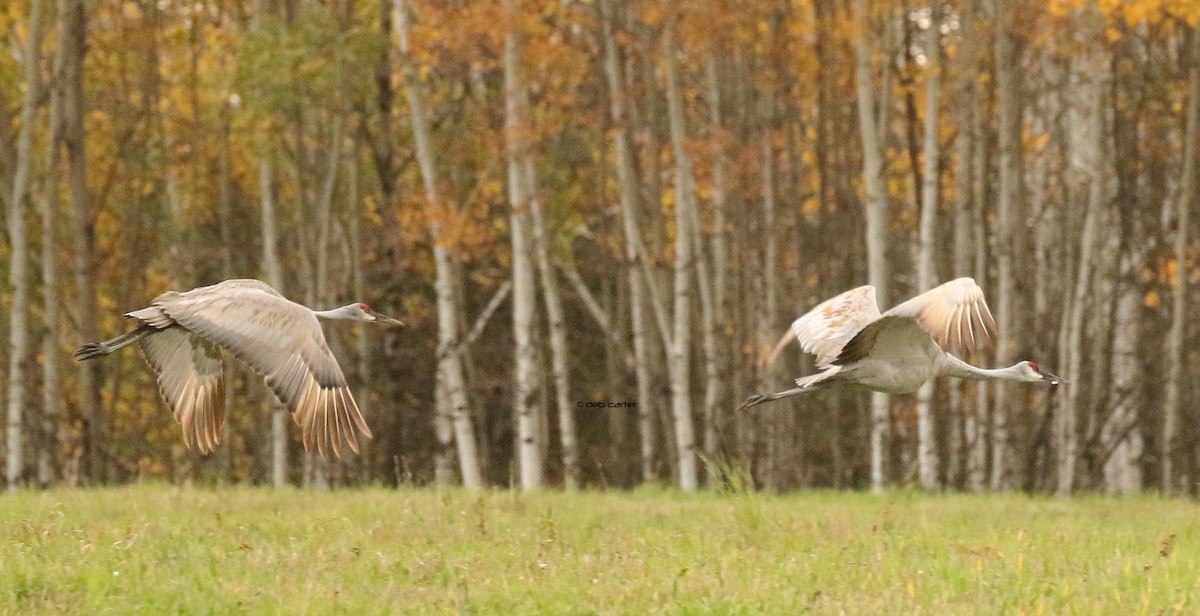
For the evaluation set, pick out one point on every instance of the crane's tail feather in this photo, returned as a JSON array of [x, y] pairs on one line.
[[92, 350]]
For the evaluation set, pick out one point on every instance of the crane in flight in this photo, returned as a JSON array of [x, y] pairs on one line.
[[181, 336], [897, 351]]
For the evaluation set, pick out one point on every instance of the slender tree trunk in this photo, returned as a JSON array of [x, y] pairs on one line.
[[518, 139], [960, 415], [225, 220], [362, 339], [1172, 408], [712, 377], [977, 438], [685, 204], [627, 196], [1009, 146], [876, 210], [73, 33], [321, 290], [927, 457], [19, 260], [1087, 162], [769, 308], [453, 414], [274, 272], [715, 383], [559, 356], [51, 381], [443, 429], [1066, 428], [1121, 436]]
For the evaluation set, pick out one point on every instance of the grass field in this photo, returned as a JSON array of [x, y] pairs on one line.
[[157, 550]]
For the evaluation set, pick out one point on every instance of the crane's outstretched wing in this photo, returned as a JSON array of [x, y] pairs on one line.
[[955, 314], [824, 330], [190, 377], [283, 341]]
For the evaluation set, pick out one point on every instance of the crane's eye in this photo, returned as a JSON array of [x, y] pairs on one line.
[[365, 308], [1033, 366]]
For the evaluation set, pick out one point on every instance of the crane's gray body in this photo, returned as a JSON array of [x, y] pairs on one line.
[[901, 358]]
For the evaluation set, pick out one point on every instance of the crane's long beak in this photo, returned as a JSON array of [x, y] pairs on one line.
[[1052, 378], [379, 318]]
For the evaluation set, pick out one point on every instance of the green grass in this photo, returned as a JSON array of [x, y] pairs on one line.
[[156, 550]]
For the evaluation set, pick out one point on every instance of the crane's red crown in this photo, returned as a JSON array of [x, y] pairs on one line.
[[367, 308], [1034, 366]]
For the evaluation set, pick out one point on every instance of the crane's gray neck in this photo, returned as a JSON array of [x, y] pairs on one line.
[[345, 313], [961, 369]]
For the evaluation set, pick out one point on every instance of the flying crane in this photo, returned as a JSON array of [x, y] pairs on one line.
[[181, 335], [899, 350]]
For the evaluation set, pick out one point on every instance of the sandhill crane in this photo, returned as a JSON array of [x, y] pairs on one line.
[[897, 351], [181, 336]]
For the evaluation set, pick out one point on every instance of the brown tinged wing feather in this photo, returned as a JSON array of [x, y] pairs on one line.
[[191, 379], [283, 341], [827, 328], [955, 314]]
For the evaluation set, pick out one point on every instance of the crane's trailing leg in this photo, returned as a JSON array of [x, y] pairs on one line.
[[92, 350], [757, 399], [805, 384]]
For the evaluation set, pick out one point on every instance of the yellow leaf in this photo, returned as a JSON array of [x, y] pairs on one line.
[[1152, 299]]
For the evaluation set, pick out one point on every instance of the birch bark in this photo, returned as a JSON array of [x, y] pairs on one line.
[[680, 347], [19, 259], [876, 211], [453, 409], [627, 196], [517, 143], [274, 273], [927, 458], [1175, 341]]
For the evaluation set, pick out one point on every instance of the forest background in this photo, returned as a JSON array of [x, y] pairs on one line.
[[609, 201]]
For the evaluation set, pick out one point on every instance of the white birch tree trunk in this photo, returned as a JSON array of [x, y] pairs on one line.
[[975, 430], [876, 210], [927, 458], [769, 311], [1009, 145], [452, 414], [715, 382], [517, 142], [1175, 340], [19, 260], [559, 354], [627, 196], [1086, 135], [274, 272], [962, 416], [679, 348]]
